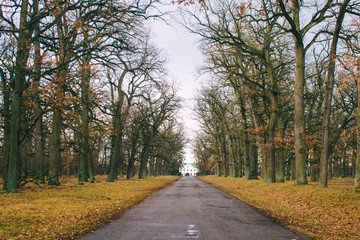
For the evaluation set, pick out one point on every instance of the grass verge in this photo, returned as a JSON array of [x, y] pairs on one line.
[[321, 213], [72, 209]]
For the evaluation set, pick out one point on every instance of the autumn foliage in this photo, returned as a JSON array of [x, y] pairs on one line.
[[83, 92], [282, 93], [331, 213], [73, 209]]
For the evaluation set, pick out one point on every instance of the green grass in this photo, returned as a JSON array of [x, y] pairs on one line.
[[72, 209]]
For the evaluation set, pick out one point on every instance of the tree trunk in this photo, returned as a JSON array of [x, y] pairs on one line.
[[55, 157], [157, 167], [118, 121], [64, 56], [39, 146], [253, 154], [121, 158], [280, 167], [114, 158], [152, 161], [225, 154], [115, 146], [323, 178], [353, 163], [7, 123], [357, 164], [39, 131], [240, 155], [246, 144], [219, 154], [288, 169], [293, 168], [83, 172], [343, 166], [331, 168], [92, 167], [131, 160], [271, 127], [144, 159], [281, 159], [23, 49], [85, 153], [235, 156], [270, 158], [299, 120]]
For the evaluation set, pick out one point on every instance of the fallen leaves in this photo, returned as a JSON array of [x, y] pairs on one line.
[[71, 210], [323, 213]]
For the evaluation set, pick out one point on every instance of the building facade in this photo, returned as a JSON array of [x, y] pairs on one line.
[[188, 169]]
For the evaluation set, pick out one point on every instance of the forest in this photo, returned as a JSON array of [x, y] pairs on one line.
[[282, 100], [84, 91]]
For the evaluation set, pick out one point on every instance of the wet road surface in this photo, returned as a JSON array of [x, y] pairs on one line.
[[192, 209]]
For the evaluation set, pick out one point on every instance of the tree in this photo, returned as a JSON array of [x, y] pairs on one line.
[[142, 66], [161, 106], [61, 49], [292, 16], [16, 114], [249, 49], [328, 96]]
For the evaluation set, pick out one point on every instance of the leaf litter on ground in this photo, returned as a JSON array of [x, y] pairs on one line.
[[72, 209], [321, 213]]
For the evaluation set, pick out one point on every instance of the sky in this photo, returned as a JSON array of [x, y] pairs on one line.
[[183, 58]]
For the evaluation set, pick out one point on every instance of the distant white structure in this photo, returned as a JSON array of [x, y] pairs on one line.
[[188, 169]]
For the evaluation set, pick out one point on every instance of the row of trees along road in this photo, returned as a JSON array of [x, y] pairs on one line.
[[284, 90], [83, 92]]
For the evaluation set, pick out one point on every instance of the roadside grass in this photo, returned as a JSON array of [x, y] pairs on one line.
[[72, 209], [321, 213]]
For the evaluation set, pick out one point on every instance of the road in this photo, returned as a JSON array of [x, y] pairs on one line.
[[192, 209]]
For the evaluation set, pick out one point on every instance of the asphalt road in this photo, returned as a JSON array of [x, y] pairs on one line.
[[192, 209]]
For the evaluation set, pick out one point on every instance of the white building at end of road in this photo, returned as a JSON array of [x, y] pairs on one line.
[[188, 169]]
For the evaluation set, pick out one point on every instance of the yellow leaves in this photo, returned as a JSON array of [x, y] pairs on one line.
[[323, 213], [70, 210]]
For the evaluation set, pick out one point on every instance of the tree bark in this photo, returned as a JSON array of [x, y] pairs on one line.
[[116, 144], [39, 131], [299, 120], [131, 160], [7, 123], [246, 144], [235, 155], [219, 154], [357, 164], [144, 156], [323, 178], [281, 158], [55, 142], [23, 49], [83, 174], [225, 154], [118, 121], [85, 164], [274, 116], [55, 157]]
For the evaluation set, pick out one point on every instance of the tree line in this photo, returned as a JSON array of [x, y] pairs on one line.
[[283, 95], [84, 92]]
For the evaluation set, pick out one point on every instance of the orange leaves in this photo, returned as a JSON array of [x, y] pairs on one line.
[[190, 2], [348, 72], [242, 7]]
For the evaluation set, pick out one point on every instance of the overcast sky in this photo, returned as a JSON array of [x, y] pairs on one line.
[[183, 58]]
